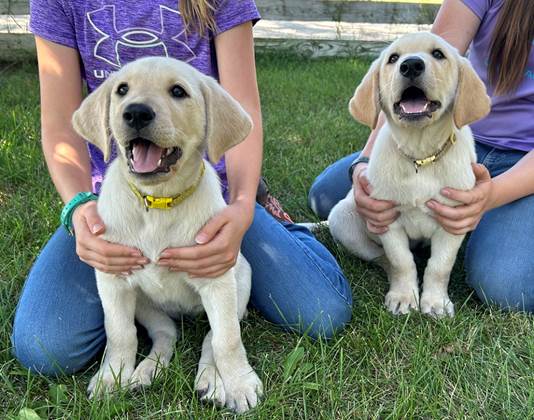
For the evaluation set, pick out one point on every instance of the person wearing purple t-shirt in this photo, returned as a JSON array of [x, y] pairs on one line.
[[499, 210], [296, 282]]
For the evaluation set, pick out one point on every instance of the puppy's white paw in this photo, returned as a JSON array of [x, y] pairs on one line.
[[105, 381], [436, 304], [401, 303], [209, 385], [243, 391], [145, 372]]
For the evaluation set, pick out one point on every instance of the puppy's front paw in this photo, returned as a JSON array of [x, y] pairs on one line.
[[401, 303], [105, 381], [145, 372], [243, 391], [209, 385], [436, 304]]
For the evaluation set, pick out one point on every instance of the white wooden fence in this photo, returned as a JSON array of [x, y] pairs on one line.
[[310, 27]]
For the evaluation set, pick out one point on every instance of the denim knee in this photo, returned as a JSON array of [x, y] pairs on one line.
[[331, 186], [51, 356], [41, 357], [320, 198], [497, 284], [330, 320]]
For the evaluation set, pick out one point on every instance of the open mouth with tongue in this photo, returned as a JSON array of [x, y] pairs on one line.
[[147, 158], [414, 105]]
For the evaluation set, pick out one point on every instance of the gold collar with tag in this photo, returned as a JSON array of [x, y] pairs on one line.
[[418, 163], [167, 203]]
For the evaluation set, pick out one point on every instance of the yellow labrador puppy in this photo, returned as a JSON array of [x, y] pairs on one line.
[[428, 94], [159, 193]]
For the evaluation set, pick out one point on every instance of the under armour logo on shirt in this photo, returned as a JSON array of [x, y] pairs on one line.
[[120, 46]]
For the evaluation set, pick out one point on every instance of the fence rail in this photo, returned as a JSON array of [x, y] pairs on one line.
[[310, 27], [371, 11]]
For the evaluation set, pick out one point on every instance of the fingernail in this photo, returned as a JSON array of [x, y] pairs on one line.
[[201, 238], [163, 262], [446, 192], [126, 273], [164, 254], [143, 261], [430, 204], [97, 227], [137, 267], [136, 254]]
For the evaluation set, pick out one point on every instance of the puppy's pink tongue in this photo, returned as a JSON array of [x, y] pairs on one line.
[[146, 157], [414, 106]]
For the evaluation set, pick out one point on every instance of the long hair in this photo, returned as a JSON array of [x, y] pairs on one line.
[[198, 15], [511, 44]]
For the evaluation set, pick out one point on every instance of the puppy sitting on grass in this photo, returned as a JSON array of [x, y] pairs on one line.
[[428, 94], [158, 193]]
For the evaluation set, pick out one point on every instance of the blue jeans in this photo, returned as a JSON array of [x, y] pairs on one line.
[[499, 259], [59, 322]]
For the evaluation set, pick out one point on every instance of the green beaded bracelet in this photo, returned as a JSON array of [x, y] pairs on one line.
[[68, 210]]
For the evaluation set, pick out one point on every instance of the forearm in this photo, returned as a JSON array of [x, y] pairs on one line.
[[237, 74], [68, 164], [65, 152], [515, 183], [366, 151], [243, 166], [457, 24], [243, 162]]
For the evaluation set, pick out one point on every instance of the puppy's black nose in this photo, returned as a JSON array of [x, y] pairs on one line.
[[412, 67], [138, 115]]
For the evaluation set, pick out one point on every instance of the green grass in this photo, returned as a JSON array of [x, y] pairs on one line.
[[479, 364]]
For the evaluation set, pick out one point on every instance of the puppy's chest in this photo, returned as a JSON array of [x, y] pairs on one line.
[[171, 291], [412, 190], [153, 233]]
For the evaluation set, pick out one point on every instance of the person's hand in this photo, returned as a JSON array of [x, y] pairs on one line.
[[218, 244], [97, 252], [474, 203], [378, 214]]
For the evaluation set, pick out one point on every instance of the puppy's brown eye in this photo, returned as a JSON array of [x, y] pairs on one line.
[[393, 58], [178, 92], [122, 89], [438, 54]]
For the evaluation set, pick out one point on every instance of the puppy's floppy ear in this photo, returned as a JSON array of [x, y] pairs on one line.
[[365, 104], [91, 119], [472, 102], [227, 123]]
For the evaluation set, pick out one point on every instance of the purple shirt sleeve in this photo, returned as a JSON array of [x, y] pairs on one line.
[[478, 7], [232, 13], [49, 20]]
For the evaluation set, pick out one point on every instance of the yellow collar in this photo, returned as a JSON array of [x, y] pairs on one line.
[[167, 203], [433, 158]]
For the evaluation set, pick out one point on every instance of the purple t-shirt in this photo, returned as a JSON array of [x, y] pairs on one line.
[[109, 34], [510, 124]]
